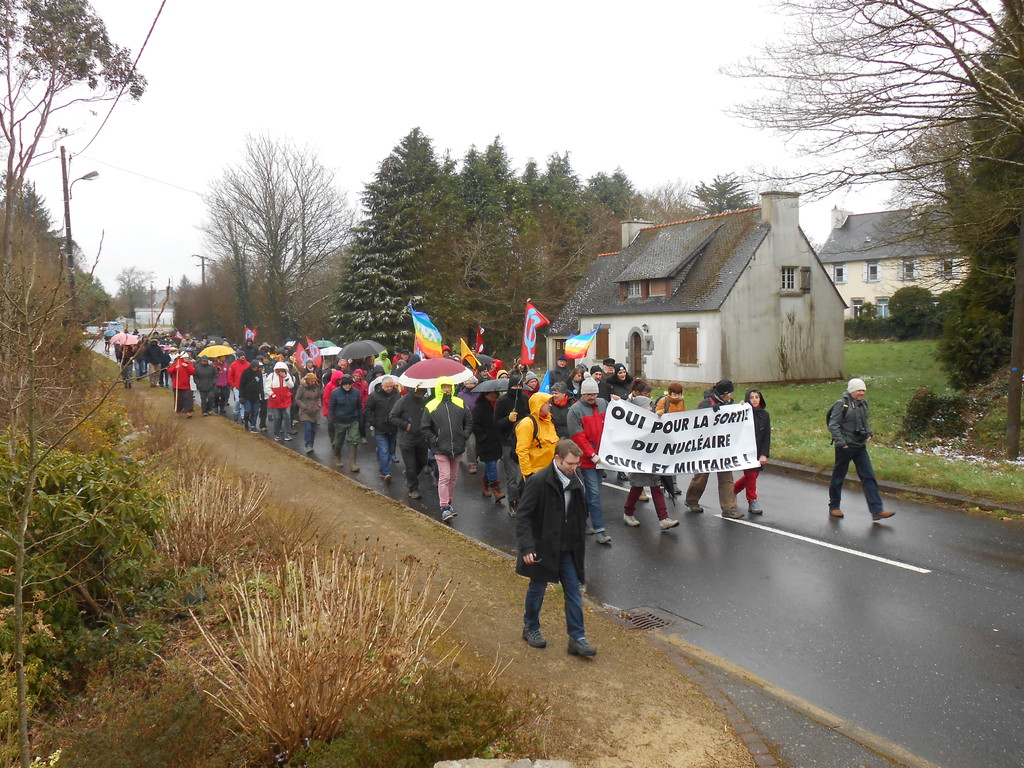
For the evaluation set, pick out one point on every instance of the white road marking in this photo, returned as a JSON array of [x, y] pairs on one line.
[[836, 547]]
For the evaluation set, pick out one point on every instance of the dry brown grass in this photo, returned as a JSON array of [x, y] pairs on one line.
[[315, 639], [210, 519]]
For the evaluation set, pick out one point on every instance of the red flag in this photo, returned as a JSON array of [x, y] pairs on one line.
[[300, 354], [177, 335], [314, 353], [479, 346], [533, 320]]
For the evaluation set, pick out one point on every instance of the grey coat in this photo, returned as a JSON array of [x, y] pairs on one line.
[[848, 422]]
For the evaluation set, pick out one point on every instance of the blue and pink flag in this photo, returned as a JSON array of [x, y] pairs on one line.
[[313, 353], [577, 346], [428, 338], [533, 320], [250, 333]]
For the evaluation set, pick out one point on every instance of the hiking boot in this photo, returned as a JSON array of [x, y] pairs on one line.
[[581, 648], [629, 520], [496, 492], [754, 508], [836, 513], [732, 514], [485, 488], [882, 515], [387, 478], [447, 513], [534, 638], [667, 523], [414, 494], [695, 508], [602, 538]]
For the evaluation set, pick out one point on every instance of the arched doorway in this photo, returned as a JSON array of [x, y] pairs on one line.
[[636, 355]]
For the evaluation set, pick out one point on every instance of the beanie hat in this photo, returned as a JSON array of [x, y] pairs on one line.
[[345, 380], [723, 388], [855, 385], [589, 387]]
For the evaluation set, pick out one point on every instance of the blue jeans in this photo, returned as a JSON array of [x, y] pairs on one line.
[[592, 492], [573, 600], [309, 433], [859, 456], [250, 411], [385, 450], [490, 471], [280, 422]]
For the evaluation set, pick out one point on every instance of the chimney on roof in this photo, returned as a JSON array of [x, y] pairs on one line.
[[839, 217], [630, 229], [781, 210]]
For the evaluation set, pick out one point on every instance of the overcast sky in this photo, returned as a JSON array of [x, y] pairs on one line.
[[633, 86]]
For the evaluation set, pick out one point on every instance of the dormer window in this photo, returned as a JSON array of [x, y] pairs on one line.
[[634, 289]]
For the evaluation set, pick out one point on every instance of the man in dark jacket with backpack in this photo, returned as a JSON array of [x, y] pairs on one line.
[[848, 425]]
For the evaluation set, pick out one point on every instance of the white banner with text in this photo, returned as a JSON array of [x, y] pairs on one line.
[[705, 440]]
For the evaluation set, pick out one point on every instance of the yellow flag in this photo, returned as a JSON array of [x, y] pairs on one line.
[[467, 354]]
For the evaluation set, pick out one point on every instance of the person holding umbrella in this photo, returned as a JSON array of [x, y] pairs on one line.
[[446, 426]]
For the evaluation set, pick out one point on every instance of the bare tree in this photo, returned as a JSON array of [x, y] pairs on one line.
[[53, 56], [133, 289], [279, 224], [672, 201], [898, 90]]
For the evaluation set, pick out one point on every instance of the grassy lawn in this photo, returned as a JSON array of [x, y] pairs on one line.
[[892, 370]]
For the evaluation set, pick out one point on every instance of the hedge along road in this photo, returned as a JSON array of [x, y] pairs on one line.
[[908, 629]]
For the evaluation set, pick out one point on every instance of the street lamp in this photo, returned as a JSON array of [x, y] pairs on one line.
[[67, 220]]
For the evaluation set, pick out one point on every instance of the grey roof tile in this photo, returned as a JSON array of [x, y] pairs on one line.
[[701, 258], [875, 236]]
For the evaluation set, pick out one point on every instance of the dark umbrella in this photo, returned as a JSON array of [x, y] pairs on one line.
[[492, 385], [360, 349], [485, 359]]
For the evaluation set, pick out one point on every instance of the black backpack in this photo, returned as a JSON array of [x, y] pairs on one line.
[[828, 414]]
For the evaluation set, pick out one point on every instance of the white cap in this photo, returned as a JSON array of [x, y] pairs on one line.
[[856, 385]]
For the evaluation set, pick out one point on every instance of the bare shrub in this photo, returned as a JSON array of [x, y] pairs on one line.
[[316, 640], [210, 518]]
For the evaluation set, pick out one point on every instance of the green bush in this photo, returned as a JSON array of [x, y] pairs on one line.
[[442, 716], [89, 545], [931, 415], [145, 721]]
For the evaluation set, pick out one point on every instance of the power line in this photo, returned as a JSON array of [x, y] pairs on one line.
[[141, 175]]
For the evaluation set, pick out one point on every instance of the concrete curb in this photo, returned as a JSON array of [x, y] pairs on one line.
[[896, 489]]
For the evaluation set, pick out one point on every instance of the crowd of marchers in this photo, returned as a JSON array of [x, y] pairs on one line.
[[532, 438]]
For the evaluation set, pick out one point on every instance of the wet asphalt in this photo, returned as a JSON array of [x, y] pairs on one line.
[[909, 630]]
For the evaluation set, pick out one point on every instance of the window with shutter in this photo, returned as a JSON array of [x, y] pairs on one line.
[[688, 345], [601, 344]]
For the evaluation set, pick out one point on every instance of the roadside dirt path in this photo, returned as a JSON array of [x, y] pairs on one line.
[[629, 706]]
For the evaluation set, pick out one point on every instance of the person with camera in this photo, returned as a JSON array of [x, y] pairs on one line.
[[850, 430]]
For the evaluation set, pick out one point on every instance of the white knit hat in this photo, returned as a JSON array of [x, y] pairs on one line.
[[856, 385]]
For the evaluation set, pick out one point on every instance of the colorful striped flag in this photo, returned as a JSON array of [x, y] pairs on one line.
[[533, 320], [428, 338], [250, 333], [577, 346]]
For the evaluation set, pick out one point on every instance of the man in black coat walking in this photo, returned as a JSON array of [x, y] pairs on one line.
[[550, 532]]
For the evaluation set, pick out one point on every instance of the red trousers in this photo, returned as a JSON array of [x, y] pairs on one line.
[[748, 482]]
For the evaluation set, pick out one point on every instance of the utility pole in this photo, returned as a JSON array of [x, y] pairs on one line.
[[202, 261], [68, 242]]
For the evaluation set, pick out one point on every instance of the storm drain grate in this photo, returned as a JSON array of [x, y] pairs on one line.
[[640, 618]]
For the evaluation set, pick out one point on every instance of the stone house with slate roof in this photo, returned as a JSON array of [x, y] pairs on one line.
[[870, 256], [740, 295]]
